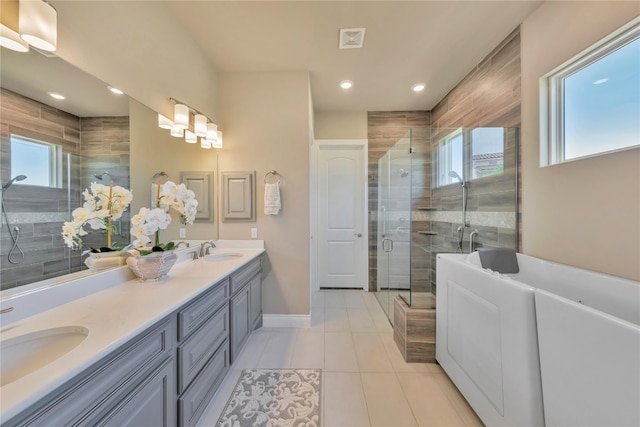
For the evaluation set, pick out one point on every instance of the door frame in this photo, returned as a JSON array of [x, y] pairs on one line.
[[313, 208]]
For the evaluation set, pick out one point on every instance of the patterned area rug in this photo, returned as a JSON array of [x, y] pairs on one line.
[[274, 397]]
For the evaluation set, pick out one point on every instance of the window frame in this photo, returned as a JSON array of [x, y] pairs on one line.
[[54, 160], [446, 140], [552, 132]]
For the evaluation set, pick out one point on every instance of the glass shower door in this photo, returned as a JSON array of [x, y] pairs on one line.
[[394, 224]]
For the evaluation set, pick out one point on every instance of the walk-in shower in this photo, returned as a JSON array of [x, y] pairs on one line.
[[441, 190]]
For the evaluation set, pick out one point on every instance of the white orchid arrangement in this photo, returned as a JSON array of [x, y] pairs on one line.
[[102, 205], [149, 222]]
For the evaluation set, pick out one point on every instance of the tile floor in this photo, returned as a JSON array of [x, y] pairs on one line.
[[365, 379]]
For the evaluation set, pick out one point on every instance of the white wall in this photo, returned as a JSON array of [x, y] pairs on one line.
[[265, 117], [584, 213]]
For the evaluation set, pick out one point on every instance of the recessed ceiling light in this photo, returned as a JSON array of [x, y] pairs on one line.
[[56, 95], [115, 90], [418, 87], [600, 81], [346, 84]]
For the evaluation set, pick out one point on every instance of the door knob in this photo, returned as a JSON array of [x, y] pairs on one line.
[[357, 234]]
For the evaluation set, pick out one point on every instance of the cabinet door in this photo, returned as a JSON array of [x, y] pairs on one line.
[[152, 403], [240, 321], [238, 196], [256, 301]]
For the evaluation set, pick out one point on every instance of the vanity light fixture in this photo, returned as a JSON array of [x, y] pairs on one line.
[[346, 84], [9, 36], [116, 90], [164, 122], [218, 142], [200, 125], [418, 87], [38, 24], [203, 128], [190, 137], [177, 131], [181, 116]]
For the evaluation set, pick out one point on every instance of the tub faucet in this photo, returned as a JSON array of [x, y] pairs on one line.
[[205, 247], [473, 234]]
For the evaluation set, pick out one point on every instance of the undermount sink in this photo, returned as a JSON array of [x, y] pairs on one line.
[[222, 257], [24, 354]]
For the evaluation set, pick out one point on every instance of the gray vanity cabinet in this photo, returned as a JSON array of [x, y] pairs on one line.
[[243, 304], [203, 351], [168, 374], [142, 371]]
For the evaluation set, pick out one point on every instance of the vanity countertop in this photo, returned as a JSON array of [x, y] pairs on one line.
[[113, 316]]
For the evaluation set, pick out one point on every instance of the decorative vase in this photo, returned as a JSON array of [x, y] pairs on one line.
[[105, 260], [154, 266]]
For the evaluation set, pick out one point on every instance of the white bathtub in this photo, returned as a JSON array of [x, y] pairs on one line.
[[570, 335]]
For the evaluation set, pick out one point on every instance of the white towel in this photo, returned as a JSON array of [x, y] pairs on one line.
[[271, 199]]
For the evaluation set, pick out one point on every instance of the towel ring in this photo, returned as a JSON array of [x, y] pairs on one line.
[[274, 173]]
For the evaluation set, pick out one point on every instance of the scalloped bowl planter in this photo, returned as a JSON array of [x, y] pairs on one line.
[[151, 267]]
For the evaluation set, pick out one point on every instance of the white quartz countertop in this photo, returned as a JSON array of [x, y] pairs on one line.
[[113, 316]]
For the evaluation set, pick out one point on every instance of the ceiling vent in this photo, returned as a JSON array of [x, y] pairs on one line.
[[351, 38]]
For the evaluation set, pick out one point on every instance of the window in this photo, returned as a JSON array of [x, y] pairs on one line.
[[469, 153], [449, 158], [487, 152], [39, 161], [593, 102]]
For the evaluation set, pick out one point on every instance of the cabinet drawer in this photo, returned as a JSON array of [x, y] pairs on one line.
[[194, 353], [196, 313], [74, 404], [194, 401], [241, 277]]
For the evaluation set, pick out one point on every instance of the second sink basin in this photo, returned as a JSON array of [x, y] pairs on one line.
[[222, 257], [24, 354]]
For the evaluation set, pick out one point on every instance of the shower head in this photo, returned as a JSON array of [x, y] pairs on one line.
[[100, 176], [14, 179], [454, 174]]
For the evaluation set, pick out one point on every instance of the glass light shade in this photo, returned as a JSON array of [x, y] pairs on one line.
[[164, 122], [181, 116], [204, 143], [200, 125], [218, 141], [176, 131], [11, 40], [190, 137], [38, 23], [212, 131]]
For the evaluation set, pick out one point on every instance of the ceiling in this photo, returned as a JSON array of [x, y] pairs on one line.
[[434, 42]]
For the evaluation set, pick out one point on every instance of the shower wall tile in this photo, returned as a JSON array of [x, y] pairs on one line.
[[103, 143]]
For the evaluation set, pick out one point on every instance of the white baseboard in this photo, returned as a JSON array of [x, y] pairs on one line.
[[286, 320]]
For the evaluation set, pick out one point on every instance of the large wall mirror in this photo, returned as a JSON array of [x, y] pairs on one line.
[[52, 149]]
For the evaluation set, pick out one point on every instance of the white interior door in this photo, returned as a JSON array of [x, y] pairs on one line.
[[341, 216]]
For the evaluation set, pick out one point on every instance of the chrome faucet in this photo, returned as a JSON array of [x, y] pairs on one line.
[[472, 236], [182, 242], [206, 245]]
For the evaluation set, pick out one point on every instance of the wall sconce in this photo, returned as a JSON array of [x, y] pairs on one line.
[[202, 127], [38, 24]]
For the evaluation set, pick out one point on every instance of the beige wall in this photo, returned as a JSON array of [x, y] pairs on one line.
[[340, 125], [153, 150], [139, 47], [266, 122], [584, 213]]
